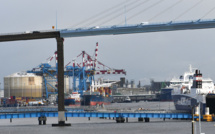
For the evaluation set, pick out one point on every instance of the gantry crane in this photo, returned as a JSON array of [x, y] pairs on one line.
[[82, 72], [49, 74], [86, 69]]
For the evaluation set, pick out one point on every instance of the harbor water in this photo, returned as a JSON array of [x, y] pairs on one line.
[[107, 126]]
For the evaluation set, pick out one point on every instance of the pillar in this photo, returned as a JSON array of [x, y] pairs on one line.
[[147, 119], [120, 120], [60, 76], [39, 120], [44, 120], [140, 119]]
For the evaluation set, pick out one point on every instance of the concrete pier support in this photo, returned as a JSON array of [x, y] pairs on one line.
[[61, 107], [140, 119], [10, 120], [89, 118], [147, 119], [127, 119], [44, 120], [41, 120], [120, 120]]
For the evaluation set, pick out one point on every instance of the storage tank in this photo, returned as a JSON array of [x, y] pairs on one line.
[[24, 84]]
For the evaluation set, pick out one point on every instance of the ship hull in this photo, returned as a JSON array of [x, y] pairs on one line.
[[92, 100], [166, 94], [68, 102], [210, 101], [186, 103]]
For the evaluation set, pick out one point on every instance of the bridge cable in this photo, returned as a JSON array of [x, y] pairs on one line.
[[207, 13], [160, 13], [112, 12], [99, 14], [188, 10], [145, 9], [123, 12]]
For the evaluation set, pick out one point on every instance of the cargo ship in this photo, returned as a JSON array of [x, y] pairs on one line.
[[9, 102], [92, 100], [165, 94], [100, 94], [190, 90], [72, 99]]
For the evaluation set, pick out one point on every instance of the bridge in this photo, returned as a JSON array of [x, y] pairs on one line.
[[43, 112], [94, 31], [99, 114], [111, 30]]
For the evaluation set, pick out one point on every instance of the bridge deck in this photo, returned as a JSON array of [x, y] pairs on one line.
[[96, 114]]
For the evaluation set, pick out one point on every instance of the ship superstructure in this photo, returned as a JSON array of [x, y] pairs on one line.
[[191, 89]]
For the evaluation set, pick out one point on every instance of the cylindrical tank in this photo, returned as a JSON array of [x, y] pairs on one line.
[[196, 110], [24, 84], [207, 111]]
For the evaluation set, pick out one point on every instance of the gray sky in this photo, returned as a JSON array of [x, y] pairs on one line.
[[144, 56]]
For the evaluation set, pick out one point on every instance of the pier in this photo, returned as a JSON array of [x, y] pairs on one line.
[[120, 115]]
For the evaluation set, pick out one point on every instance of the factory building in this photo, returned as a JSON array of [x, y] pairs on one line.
[[24, 84]]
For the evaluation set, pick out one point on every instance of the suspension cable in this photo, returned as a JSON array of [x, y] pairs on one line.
[[112, 13], [99, 14], [145, 9], [207, 13], [139, 4], [188, 10], [160, 13]]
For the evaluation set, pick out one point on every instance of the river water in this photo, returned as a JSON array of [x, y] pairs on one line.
[[108, 126]]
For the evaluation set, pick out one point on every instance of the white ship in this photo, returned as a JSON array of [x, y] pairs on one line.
[[191, 89]]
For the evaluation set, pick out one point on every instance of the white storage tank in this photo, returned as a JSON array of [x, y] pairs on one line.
[[24, 84]]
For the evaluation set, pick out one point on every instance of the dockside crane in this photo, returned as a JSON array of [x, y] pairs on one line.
[[49, 75], [82, 72], [90, 67]]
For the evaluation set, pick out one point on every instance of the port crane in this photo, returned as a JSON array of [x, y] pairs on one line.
[[85, 70], [49, 74], [82, 72]]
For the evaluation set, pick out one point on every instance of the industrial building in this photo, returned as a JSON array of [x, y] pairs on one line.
[[156, 86], [24, 84]]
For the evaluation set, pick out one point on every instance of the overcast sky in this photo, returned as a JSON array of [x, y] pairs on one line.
[[160, 55]]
